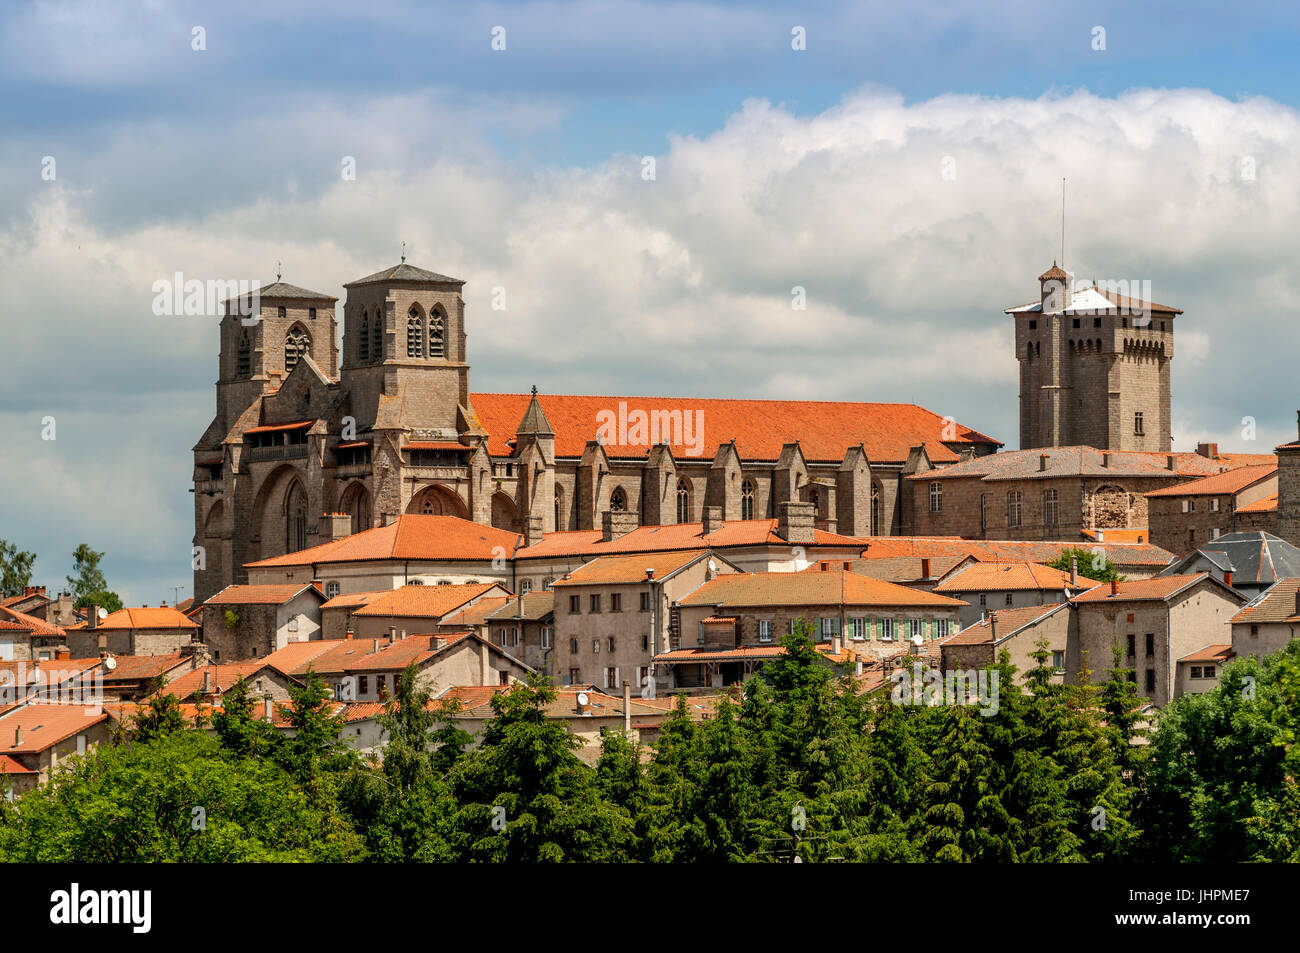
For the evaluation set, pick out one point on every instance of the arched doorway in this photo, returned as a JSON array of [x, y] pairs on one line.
[[280, 514]]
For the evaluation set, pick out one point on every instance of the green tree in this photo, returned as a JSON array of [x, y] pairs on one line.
[[158, 717], [1091, 565], [237, 729], [15, 569], [87, 577]]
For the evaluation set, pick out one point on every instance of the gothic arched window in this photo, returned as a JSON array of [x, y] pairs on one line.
[[244, 360], [683, 502], [437, 327], [747, 500], [295, 519], [875, 510], [414, 334], [618, 500], [377, 339], [559, 508], [296, 346], [363, 339]]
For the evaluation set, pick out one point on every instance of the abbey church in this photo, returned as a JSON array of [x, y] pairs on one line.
[[309, 445]]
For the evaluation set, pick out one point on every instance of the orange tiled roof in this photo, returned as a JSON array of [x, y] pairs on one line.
[[44, 725], [10, 765], [1211, 653], [408, 537], [1142, 590], [721, 655], [413, 648], [609, 570], [324, 656], [831, 588], [1267, 505], [892, 568], [530, 607], [825, 430], [271, 595], [353, 599], [1127, 534], [681, 536], [37, 626], [164, 617], [1008, 621], [991, 576], [478, 613], [431, 602], [1004, 550], [224, 678], [1229, 482], [1277, 603], [135, 667]]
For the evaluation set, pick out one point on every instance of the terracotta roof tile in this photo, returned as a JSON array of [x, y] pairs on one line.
[[825, 429], [44, 725], [478, 613], [1277, 603], [223, 678], [37, 626], [1141, 590], [1211, 653], [1230, 482], [164, 617], [834, 587], [679, 536], [10, 765], [1008, 621], [257, 595], [1267, 505], [408, 537], [530, 607], [432, 602], [996, 577], [611, 570], [1123, 554]]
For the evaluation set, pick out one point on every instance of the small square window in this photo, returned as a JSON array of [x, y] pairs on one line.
[[1076, 322]]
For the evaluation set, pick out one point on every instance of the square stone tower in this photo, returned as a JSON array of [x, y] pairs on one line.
[[1094, 366]]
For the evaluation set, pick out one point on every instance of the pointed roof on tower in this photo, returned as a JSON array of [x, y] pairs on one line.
[[535, 421], [1056, 271], [402, 272]]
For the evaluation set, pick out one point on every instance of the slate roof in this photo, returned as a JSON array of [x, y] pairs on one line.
[[1254, 557], [282, 289], [536, 605], [403, 272]]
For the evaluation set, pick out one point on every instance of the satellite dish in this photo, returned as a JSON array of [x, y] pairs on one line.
[[110, 663], [583, 699], [103, 613], [713, 567]]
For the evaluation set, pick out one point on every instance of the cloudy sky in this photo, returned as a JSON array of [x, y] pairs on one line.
[[905, 169]]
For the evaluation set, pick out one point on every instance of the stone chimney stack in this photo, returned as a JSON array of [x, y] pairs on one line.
[[627, 707], [268, 708], [1042, 461], [712, 519], [1074, 571], [925, 567], [533, 530], [336, 525], [615, 524], [92, 616], [794, 522]]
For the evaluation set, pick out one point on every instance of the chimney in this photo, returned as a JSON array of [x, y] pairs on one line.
[[993, 625], [627, 706], [207, 681], [925, 567], [18, 736], [1227, 578], [63, 653], [582, 709], [337, 525], [1105, 458], [374, 646], [1042, 462], [1171, 462], [1210, 450], [268, 708], [1074, 571], [794, 522], [392, 635], [615, 524], [857, 669], [1114, 587], [712, 519], [650, 573], [533, 530], [92, 616], [836, 645]]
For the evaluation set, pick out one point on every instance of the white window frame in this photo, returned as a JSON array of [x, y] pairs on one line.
[[887, 630], [765, 630]]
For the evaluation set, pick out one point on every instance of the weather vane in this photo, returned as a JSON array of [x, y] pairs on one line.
[[279, 270], [403, 252]]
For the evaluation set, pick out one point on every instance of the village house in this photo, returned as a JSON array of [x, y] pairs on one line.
[[1018, 632], [612, 616], [1154, 622], [1132, 560], [211, 682], [525, 627], [1201, 671], [418, 609], [35, 737], [243, 622], [442, 660], [1269, 622], [985, 586], [727, 628], [474, 617], [1187, 515], [24, 636], [34, 602], [135, 631]]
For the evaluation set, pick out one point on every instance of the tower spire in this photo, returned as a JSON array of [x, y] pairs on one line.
[[1063, 224]]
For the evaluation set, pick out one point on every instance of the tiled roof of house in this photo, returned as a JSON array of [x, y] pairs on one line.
[[10, 765], [45, 671], [1003, 550], [324, 656], [680, 536], [831, 588], [1230, 482], [223, 678], [429, 602], [1073, 462], [1275, 604], [271, 595], [530, 607], [413, 648], [825, 430], [611, 570], [478, 613], [1008, 621], [352, 600], [44, 725], [1267, 505], [892, 568], [129, 668], [30, 622], [163, 617], [1113, 534], [1156, 588], [1211, 653], [410, 536], [996, 577]]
